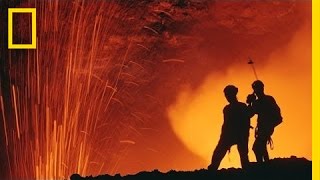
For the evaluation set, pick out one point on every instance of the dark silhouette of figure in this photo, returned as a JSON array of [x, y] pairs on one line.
[[235, 129], [269, 116]]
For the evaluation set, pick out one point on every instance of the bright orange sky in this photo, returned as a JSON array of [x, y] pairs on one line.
[[196, 116]]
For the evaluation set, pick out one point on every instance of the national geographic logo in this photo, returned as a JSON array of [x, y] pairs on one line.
[[33, 44]]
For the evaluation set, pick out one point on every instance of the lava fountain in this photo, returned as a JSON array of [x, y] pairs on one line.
[[59, 120]]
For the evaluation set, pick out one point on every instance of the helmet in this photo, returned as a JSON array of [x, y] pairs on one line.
[[230, 90]]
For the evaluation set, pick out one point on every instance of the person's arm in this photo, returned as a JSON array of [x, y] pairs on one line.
[[251, 98]]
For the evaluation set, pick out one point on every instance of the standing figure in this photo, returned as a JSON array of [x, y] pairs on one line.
[[269, 116], [235, 129]]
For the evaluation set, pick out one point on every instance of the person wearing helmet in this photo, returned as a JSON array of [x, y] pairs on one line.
[[235, 129], [269, 116]]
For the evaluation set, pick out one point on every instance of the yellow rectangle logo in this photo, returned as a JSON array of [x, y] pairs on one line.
[[33, 44]]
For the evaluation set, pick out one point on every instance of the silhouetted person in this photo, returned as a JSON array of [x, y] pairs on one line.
[[235, 129], [269, 116]]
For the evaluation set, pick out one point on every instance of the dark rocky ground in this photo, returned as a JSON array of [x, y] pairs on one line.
[[276, 169]]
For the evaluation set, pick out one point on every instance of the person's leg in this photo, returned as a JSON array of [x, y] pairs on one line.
[[257, 150], [243, 152], [265, 137], [218, 154], [265, 154]]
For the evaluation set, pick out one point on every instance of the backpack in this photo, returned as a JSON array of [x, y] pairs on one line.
[[270, 111], [275, 117]]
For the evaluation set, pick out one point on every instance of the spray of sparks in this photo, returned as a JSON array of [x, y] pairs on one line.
[[61, 119]]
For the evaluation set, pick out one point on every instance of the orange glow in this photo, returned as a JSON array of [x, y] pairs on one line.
[[99, 94], [196, 116]]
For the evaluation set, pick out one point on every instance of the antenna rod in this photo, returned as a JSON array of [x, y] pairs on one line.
[[252, 65]]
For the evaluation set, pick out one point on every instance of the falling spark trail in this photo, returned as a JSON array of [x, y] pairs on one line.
[[151, 29], [4, 120], [173, 60], [16, 111], [128, 141]]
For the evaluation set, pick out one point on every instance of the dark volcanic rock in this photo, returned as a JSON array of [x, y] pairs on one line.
[[277, 169]]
